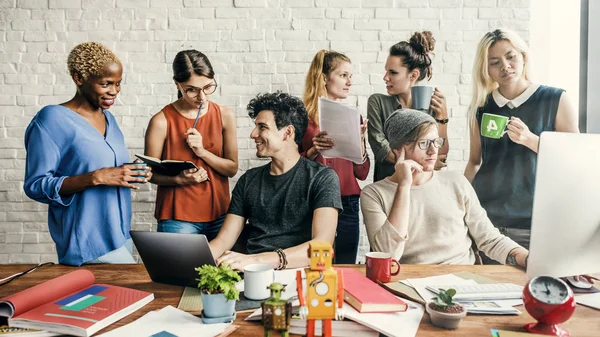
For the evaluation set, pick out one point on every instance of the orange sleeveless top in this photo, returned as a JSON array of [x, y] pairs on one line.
[[201, 202]]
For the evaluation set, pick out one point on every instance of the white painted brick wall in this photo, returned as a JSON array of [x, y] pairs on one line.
[[254, 45]]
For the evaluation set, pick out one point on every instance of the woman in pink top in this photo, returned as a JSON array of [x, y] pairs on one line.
[[330, 76]]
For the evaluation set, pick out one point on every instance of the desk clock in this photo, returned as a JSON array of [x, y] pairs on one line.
[[550, 301]]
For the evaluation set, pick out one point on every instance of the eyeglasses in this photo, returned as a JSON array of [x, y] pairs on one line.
[[193, 92], [424, 144]]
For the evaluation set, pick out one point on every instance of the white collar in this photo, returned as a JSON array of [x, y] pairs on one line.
[[514, 103]]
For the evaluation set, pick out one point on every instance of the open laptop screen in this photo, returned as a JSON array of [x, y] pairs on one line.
[[172, 257]]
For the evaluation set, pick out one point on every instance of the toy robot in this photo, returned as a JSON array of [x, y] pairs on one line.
[[276, 313], [325, 289]]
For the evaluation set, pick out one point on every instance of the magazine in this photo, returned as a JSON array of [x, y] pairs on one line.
[[71, 304]]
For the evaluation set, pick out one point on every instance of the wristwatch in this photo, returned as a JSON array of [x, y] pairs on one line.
[[511, 260], [442, 121]]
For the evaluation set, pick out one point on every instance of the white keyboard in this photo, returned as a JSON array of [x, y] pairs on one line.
[[481, 292]]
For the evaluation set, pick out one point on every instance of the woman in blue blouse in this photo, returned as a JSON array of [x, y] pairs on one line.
[[75, 164]]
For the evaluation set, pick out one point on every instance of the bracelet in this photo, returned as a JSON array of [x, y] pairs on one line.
[[442, 121], [282, 259]]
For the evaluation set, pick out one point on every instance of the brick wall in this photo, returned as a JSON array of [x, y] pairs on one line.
[[254, 45]]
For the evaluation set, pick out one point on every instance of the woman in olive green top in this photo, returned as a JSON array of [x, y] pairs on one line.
[[408, 63]]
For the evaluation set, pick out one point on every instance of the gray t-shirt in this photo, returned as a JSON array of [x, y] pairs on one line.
[[280, 208]]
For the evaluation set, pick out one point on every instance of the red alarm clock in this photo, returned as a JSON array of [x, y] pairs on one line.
[[550, 301]]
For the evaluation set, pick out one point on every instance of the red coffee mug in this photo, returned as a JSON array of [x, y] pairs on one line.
[[379, 267]]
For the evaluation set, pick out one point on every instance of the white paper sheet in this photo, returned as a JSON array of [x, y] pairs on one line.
[[509, 303], [489, 308], [420, 283], [495, 307], [342, 124], [590, 300], [171, 320], [397, 324]]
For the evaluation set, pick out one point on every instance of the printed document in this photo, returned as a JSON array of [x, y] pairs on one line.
[[168, 321], [342, 124]]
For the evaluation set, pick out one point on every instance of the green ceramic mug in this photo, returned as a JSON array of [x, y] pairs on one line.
[[493, 126]]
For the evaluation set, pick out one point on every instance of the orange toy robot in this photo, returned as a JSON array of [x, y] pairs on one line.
[[325, 289]]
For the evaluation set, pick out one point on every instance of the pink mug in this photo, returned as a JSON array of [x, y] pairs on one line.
[[379, 266]]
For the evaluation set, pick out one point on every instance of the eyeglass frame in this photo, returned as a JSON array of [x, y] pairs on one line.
[[199, 89], [430, 142]]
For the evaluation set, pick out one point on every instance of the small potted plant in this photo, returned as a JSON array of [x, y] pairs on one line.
[[444, 312], [218, 291]]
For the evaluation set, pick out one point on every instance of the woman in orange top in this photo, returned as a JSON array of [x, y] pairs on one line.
[[196, 200]]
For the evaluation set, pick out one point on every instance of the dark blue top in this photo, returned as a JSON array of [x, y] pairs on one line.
[[506, 179], [60, 143]]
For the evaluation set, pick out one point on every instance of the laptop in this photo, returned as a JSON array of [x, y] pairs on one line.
[[171, 258], [565, 223]]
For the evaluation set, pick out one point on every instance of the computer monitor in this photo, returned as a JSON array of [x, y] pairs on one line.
[[565, 224]]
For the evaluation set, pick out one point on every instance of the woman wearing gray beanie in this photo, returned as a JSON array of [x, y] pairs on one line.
[[422, 216]]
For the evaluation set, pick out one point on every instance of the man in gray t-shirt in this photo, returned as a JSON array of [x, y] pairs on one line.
[[287, 202]]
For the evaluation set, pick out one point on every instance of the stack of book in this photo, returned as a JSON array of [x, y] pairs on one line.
[[339, 328], [369, 310]]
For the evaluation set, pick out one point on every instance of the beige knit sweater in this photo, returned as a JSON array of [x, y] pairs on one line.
[[444, 215]]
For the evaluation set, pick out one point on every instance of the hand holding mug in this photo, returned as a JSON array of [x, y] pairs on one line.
[[518, 131], [126, 175], [144, 171], [438, 105]]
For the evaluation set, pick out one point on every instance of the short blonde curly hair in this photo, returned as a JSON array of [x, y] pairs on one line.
[[90, 58]]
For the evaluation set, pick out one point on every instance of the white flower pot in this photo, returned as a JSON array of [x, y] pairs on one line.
[[445, 320]]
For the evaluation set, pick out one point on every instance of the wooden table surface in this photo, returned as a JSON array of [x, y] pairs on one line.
[[585, 322]]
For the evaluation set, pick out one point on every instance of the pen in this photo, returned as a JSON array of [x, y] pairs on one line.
[[198, 115]]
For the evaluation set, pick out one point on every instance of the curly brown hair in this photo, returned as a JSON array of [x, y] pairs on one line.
[[286, 109], [90, 58]]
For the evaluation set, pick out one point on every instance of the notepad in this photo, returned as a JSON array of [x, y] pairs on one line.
[[191, 301], [167, 167]]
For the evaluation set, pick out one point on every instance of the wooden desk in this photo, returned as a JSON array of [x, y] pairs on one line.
[[585, 322]]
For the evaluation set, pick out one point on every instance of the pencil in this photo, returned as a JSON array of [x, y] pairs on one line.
[[198, 115]]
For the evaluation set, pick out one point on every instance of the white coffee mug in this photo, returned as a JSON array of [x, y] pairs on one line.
[[257, 278]]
